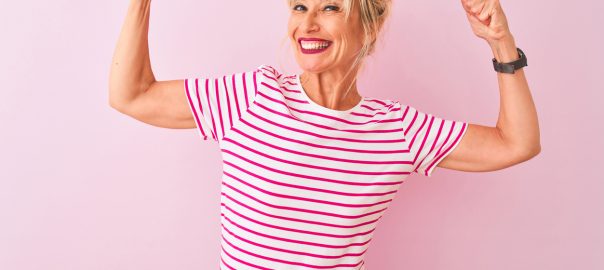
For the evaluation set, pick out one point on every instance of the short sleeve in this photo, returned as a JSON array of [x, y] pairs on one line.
[[430, 138], [217, 103]]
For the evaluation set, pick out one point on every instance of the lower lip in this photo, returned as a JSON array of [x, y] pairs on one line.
[[305, 51]]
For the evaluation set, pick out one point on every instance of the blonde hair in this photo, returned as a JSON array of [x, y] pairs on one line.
[[373, 15]]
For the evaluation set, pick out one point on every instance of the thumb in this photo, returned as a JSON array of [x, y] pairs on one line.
[[497, 21], [474, 20]]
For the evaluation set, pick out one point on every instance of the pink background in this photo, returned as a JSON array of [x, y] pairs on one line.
[[85, 187]]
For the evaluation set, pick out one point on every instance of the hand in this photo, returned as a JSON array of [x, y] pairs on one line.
[[487, 19]]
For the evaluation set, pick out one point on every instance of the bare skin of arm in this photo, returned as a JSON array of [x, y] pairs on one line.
[[133, 89], [514, 139]]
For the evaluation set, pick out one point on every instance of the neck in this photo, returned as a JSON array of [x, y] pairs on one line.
[[331, 89]]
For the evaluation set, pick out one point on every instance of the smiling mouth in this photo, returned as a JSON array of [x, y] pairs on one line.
[[313, 45]]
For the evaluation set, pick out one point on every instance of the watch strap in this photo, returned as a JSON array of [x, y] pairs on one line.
[[510, 67]]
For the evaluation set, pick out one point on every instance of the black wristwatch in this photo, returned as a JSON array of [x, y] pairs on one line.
[[511, 66]]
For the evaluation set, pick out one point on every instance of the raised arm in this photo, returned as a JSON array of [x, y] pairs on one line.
[[133, 89], [515, 138]]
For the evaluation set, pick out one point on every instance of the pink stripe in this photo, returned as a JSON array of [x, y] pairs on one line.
[[216, 87], [325, 116], [247, 103], [330, 128], [273, 70], [287, 138], [226, 91], [299, 198], [299, 153], [290, 90], [312, 112], [297, 219], [403, 119], [293, 240], [290, 80], [242, 261], [377, 101], [210, 107], [269, 77], [237, 103], [274, 88], [302, 210], [446, 140], [256, 176], [368, 107], [296, 100], [214, 134], [269, 69], [291, 251], [314, 166], [310, 176], [195, 111], [284, 261], [464, 125], [425, 136], [367, 115], [255, 85], [407, 128], [226, 264], [296, 230], [442, 123]]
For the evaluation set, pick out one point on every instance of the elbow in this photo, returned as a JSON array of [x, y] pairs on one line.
[[527, 152], [534, 148], [116, 103], [113, 103]]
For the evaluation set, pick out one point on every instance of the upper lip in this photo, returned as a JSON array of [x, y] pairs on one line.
[[311, 39]]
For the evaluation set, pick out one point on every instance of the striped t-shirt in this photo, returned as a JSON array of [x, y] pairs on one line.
[[303, 186]]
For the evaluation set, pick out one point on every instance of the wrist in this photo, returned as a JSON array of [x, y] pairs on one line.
[[504, 49]]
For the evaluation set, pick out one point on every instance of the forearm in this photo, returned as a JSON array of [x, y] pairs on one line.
[[131, 72], [517, 123]]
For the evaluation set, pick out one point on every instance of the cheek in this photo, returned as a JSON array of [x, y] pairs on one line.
[[291, 28], [293, 22]]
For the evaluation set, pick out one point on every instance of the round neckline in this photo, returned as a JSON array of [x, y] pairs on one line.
[[321, 107]]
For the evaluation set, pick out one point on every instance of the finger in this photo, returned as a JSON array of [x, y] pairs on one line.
[[486, 11], [479, 26], [477, 7], [472, 18], [472, 6], [497, 13]]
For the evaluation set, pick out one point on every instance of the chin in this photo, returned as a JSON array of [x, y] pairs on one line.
[[313, 66]]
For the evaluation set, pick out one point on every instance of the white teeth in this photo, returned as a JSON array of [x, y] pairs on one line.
[[314, 45]]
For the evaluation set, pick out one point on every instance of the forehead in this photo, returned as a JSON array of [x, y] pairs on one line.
[[316, 1]]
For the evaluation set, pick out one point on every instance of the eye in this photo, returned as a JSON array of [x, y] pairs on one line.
[[335, 8], [299, 8]]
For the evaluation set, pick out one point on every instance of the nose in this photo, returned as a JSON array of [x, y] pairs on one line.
[[309, 24]]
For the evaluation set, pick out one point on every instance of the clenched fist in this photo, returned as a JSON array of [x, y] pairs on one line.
[[487, 19]]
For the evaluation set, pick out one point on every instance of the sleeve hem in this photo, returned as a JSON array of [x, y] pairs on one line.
[[198, 124], [430, 169]]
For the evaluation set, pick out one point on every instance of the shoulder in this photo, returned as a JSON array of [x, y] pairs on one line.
[[269, 70], [383, 105], [275, 76]]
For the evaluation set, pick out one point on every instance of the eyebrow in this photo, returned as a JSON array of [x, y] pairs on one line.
[[321, 1]]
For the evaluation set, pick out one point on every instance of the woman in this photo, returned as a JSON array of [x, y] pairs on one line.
[[309, 164]]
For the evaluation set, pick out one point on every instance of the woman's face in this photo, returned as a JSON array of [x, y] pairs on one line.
[[317, 29]]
